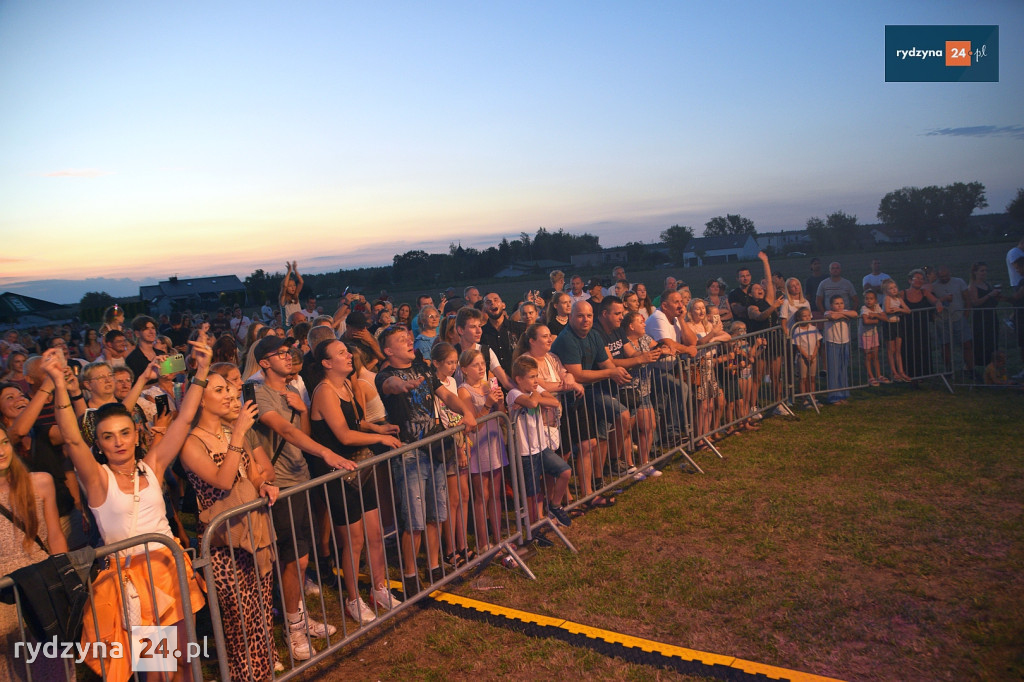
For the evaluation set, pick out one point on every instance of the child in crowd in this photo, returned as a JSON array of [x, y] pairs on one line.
[[895, 308], [535, 414], [871, 319], [744, 357], [807, 342], [837, 349], [487, 454], [995, 372], [457, 552]]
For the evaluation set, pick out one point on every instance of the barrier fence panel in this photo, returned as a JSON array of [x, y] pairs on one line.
[[991, 345], [123, 597], [461, 507]]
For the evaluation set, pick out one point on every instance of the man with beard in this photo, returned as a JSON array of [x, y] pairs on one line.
[[501, 332]]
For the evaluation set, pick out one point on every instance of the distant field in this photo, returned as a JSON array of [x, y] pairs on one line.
[[895, 261]]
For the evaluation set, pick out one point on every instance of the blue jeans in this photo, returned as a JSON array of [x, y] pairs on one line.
[[838, 370], [422, 488]]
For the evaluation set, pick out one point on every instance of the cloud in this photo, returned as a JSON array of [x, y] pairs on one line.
[[1015, 131], [77, 173]]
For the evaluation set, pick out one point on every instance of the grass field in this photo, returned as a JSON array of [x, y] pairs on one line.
[[877, 541]]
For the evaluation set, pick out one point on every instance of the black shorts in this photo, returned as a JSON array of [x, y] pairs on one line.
[[292, 546]]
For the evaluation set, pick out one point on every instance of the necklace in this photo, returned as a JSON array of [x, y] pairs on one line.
[[218, 436], [130, 476]]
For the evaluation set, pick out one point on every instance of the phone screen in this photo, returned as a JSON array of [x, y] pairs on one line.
[[248, 393], [162, 404], [172, 364]]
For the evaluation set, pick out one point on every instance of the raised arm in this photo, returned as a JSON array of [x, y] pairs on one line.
[[23, 422], [769, 284], [152, 372], [88, 469], [163, 453]]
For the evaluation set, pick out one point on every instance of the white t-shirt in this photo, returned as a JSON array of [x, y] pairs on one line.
[[955, 287], [536, 428], [658, 327], [874, 281], [1012, 255]]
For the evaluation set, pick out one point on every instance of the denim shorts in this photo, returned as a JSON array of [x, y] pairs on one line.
[[604, 410], [422, 488], [535, 466]]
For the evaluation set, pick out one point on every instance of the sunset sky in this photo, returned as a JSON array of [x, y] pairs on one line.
[[150, 139]]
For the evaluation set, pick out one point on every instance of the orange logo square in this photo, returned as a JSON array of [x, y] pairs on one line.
[[958, 53]]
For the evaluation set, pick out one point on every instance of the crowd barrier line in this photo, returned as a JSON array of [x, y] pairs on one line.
[[511, 523]]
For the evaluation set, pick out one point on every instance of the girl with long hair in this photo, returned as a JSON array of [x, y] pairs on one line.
[[32, 532]]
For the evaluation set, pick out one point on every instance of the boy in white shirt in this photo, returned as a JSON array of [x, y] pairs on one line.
[[535, 414]]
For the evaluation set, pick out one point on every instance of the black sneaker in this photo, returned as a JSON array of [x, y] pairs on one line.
[[436, 575], [559, 514], [410, 585], [542, 542]]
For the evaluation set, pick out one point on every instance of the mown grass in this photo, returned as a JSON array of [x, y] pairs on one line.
[[877, 541]]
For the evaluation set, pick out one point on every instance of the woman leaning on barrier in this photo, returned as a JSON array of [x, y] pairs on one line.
[[31, 532], [337, 422], [216, 461], [124, 495]]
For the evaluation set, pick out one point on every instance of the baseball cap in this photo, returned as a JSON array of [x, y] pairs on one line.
[[270, 344]]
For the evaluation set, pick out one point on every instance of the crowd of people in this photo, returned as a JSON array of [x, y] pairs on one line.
[[113, 432]]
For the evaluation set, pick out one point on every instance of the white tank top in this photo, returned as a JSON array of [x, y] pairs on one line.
[[114, 516]]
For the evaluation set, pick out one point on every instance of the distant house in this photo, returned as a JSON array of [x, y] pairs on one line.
[[199, 293], [598, 258], [24, 311], [724, 249], [783, 242], [535, 267], [889, 235]]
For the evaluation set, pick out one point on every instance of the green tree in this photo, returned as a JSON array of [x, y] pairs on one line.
[[818, 231], [730, 224], [959, 201], [1015, 209], [676, 238], [96, 299]]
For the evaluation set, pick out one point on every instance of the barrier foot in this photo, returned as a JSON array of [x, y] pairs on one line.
[[513, 555], [946, 381], [690, 460], [561, 536]]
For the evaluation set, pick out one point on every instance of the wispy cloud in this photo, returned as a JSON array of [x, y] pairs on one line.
[[77, 173], [1015, 131]]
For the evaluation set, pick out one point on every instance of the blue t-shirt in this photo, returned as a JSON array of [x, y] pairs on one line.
[[588, 352]]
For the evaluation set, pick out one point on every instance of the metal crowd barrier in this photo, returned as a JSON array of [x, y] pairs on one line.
[[989, 335], [54, 660], [919, 351], [505, 517]]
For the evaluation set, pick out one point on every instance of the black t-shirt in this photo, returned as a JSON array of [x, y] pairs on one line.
[[758, 325], [503, 340], [744, 298], [412, 412], [45, 457]]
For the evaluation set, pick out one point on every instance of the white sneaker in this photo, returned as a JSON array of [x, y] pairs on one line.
[[640, 476], [318, 629], [311, 588], [652, 472], [302, 649], [359, 611], [383, 598]]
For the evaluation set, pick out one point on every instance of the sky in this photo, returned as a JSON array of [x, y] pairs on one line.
[[144, 140]]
